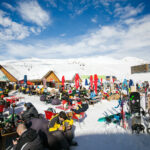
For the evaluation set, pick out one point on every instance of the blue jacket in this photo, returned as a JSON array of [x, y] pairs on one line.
[[92, 95]]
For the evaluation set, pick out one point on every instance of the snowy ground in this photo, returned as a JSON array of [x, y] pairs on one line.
[[93, 135]]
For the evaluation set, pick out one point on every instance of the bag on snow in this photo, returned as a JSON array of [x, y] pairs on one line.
[[43, 98], [56, 102]]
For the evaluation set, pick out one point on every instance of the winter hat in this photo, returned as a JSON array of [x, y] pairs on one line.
[[28, 105]]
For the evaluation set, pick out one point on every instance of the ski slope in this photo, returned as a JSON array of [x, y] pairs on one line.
[[36, 68]]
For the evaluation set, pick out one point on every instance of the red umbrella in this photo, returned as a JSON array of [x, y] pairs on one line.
[[95, 82], [28, 82], [63, 82], [113, 80], [91, 82], [77, 81], [101, 81]]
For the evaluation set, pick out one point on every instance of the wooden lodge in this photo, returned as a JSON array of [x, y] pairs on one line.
[[51, 80], [107, 78], [6, 76], [73, 79], [50, 77], [140, 68]]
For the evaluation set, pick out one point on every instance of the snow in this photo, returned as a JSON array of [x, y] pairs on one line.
[[36, 68], [91, 134]]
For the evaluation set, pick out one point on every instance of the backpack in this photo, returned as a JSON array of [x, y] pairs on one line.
[[43, 98], [56, 102], [51, 109]]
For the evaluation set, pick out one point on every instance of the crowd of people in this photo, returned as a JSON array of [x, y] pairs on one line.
[[35, 132], [38, 133]]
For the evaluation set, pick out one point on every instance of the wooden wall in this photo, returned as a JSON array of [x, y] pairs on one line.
[[140, 68], [8, 75], [52, 76]]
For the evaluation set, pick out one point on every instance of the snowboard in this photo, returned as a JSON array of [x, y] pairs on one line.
[[113, 118]]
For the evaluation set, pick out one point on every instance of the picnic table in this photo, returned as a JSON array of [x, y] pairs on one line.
[[4, 138], [13, 99], [65, 108]]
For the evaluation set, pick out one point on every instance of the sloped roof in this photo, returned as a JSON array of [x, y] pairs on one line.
[[38, 72], [3, 77], [13, 71], [33, 73]]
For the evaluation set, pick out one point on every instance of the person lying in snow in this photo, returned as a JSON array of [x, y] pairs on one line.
[[60, 126], [30, 112]]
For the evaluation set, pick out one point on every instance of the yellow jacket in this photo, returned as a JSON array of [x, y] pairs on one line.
[[55, 123]]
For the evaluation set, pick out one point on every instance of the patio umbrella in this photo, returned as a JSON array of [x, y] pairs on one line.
[[28, 82], [63, 82], [25, 79], [77, 81], [95, 82], [91, 82], [86, 82], [101, 81]]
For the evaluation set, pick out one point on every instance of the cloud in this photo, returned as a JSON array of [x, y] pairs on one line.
[[128, 11], [63, 34], [113, 40], [11, 30], [31, 11], [53, 3], [105, 3], [8, 6], [80, 10], [94, 20], [35, 30]]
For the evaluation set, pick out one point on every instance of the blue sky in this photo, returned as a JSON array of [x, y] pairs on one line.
[[74, 28]]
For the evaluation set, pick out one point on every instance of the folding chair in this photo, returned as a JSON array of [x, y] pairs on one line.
[[2, 108], [49, 114], [78, 117]]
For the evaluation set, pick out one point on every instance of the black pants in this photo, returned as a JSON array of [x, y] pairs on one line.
[[64, 139]]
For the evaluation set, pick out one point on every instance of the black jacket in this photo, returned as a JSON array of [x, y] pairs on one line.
[[29, 140], [82, 108], [30, 113]]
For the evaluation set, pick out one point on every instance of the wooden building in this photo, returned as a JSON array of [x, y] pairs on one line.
[[51, 80], [114, 78], [72, 80], [6, 76], [140, 68], [107, 78]]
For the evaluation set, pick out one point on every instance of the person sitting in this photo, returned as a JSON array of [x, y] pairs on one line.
[[6, 90], [28, 139], [92, 95], [80, 107], [60, 126], [30, 112]]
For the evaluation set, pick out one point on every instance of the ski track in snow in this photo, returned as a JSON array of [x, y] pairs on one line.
[[93, 135]]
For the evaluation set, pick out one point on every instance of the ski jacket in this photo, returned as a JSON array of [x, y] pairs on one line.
[[30, 113], [29, 140], [55, 123], [92, 95]]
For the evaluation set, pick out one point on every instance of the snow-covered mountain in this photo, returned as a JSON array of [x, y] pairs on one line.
[[101, 65]]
